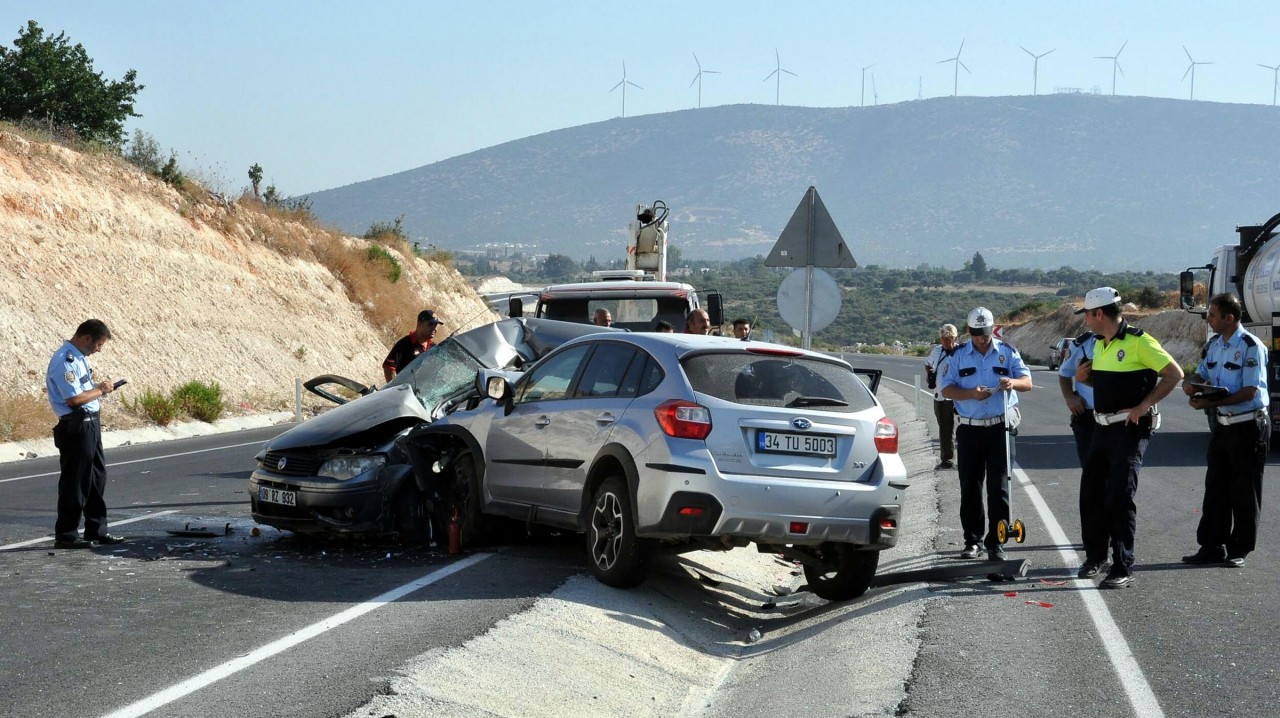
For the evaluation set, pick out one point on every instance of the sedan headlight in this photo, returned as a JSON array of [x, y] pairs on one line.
[[343, 468]]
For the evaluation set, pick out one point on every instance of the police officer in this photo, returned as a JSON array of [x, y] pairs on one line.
[[1236, 361], [980, 377], [1130, 372], [943, 409], [1079, 399], [76, 399], [411, 345]]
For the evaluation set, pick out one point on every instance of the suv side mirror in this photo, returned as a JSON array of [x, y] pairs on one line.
[[715, 309]]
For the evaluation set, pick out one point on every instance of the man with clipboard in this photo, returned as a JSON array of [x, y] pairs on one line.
[[1231, 382]]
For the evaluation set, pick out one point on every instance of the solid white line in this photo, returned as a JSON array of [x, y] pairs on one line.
[[122, 522], [231, 667], [137, 461], [1136, 687]]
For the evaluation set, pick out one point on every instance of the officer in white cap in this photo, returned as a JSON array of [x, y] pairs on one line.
[[1129, 373], [980, 376]]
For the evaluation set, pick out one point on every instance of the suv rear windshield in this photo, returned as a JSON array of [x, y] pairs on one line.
[[746, 378]]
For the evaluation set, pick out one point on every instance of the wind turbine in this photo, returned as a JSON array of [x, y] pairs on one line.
[[955, 89], [1035, 68], [862, 100], [1275, 71], [875, 96], [698, 77], [778, 72], [1115, 65], [623, 84], [1191, 70]]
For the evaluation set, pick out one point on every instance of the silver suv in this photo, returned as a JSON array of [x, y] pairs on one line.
[[646, 442]]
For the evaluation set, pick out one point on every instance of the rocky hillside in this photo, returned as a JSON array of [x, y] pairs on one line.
[[1180, 333], [194, 287]]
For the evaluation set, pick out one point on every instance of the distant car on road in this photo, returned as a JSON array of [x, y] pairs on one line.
[[647, 442], [1058, 352]]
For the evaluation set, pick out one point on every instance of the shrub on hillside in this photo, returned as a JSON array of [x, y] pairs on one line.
[[199, 400], [384, 231], [156, 407], [379, 255]]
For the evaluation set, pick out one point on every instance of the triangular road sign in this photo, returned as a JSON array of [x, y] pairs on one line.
[[811, 238]]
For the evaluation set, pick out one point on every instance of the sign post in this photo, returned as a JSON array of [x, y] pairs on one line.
[[810, 240]]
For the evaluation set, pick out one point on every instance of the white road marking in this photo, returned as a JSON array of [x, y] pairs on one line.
[[122, 522], [137, 461], [236, 665], [1134, 681]]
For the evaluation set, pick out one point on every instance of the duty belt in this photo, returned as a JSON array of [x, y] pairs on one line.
[[1229, 419], [981, 422], [1120, 417]]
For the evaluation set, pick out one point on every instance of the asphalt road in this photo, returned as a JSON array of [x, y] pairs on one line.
[[102, 632], [1183, 641]]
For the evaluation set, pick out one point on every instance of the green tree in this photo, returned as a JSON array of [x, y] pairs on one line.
[[558, 266], [978, 266], [49, 80], [255, 176]]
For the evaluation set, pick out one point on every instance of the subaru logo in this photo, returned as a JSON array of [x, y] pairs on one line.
[[283, 462], [801, 423]]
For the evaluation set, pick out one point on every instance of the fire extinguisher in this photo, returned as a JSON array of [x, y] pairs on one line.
[[455, 534]]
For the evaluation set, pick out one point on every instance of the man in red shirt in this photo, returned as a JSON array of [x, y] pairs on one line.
[[411, 345]]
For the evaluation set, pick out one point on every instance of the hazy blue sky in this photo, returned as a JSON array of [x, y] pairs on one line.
[[323, 94]]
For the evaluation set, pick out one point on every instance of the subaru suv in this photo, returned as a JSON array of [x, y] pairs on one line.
[[645, 442]]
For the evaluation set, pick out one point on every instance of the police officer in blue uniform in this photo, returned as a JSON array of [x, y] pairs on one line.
[[76, 399], [1235, 365], [1079, 399], [980, 376]]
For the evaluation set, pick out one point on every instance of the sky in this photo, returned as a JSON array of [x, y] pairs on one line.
[[325, 93]]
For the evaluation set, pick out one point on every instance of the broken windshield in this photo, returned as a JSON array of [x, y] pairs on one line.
[[440, 372]]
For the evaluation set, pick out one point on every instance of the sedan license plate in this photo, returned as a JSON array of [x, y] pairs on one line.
[[786, 443], [277, 496]]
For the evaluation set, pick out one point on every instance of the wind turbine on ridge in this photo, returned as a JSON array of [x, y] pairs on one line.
[[1035, 69], [698, 78], [1191, 70], [778, 72], [1275, 71], [623, 84], [1115, 65], [862, 99], [955, 89], [875, 96]]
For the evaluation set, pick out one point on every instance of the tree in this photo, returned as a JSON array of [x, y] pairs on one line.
[[255, 176], [558, 266], [48, 80], [978, 266]]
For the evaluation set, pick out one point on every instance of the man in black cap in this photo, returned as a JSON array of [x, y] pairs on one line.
[[411, 345]]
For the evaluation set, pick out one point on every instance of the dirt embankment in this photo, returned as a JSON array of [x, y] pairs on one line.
[[193, 288], [1181, 334]]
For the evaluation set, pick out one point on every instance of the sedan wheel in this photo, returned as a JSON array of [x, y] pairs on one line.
[[618, 557]]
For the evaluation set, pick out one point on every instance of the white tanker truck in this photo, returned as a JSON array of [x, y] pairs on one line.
[[1249, 269]]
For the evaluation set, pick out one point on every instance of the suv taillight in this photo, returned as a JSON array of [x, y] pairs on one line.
[[886, 436], [684, 419]]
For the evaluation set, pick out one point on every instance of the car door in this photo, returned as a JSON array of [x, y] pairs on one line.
[[581, 424], [516, 446]]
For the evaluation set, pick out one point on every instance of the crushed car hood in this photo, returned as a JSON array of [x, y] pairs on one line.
[[505, 344]]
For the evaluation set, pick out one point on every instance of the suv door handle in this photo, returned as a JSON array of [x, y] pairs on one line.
[[605, 418], [543, 420]]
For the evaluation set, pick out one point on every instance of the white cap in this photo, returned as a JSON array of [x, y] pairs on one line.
[[981, 322], [1098, 298]]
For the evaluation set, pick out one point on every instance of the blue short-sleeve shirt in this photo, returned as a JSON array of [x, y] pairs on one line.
[[67, 376], [1081, 350], [1235, 362], [967, 368]]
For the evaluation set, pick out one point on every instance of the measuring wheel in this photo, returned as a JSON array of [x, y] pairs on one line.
[[1019, 531]]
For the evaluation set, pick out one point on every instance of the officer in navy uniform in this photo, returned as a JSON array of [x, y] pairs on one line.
[[1079, 399], [1236, 361], [980, 376], [76, 399]]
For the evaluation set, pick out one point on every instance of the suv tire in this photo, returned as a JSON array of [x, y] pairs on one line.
[[618, 557], [850, 575]]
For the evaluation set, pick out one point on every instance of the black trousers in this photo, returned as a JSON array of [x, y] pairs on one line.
[[1107, 490], [83, 478], [945, 411], [1233, 486], [1095, 532], [981, 462]]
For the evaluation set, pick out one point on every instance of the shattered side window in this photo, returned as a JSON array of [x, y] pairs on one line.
[[440, 372]]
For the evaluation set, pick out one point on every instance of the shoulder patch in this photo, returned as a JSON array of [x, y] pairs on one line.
[[1133, 331], [1249, 341], [70, 377], [1082, 338]]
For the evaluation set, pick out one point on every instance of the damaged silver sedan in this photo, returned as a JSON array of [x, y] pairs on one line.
[[342, 472]]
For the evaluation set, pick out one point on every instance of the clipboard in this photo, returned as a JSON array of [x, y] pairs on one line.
[[1209, 391]]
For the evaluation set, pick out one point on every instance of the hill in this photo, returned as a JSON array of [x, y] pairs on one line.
[[194, 287], [1038, 182]]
